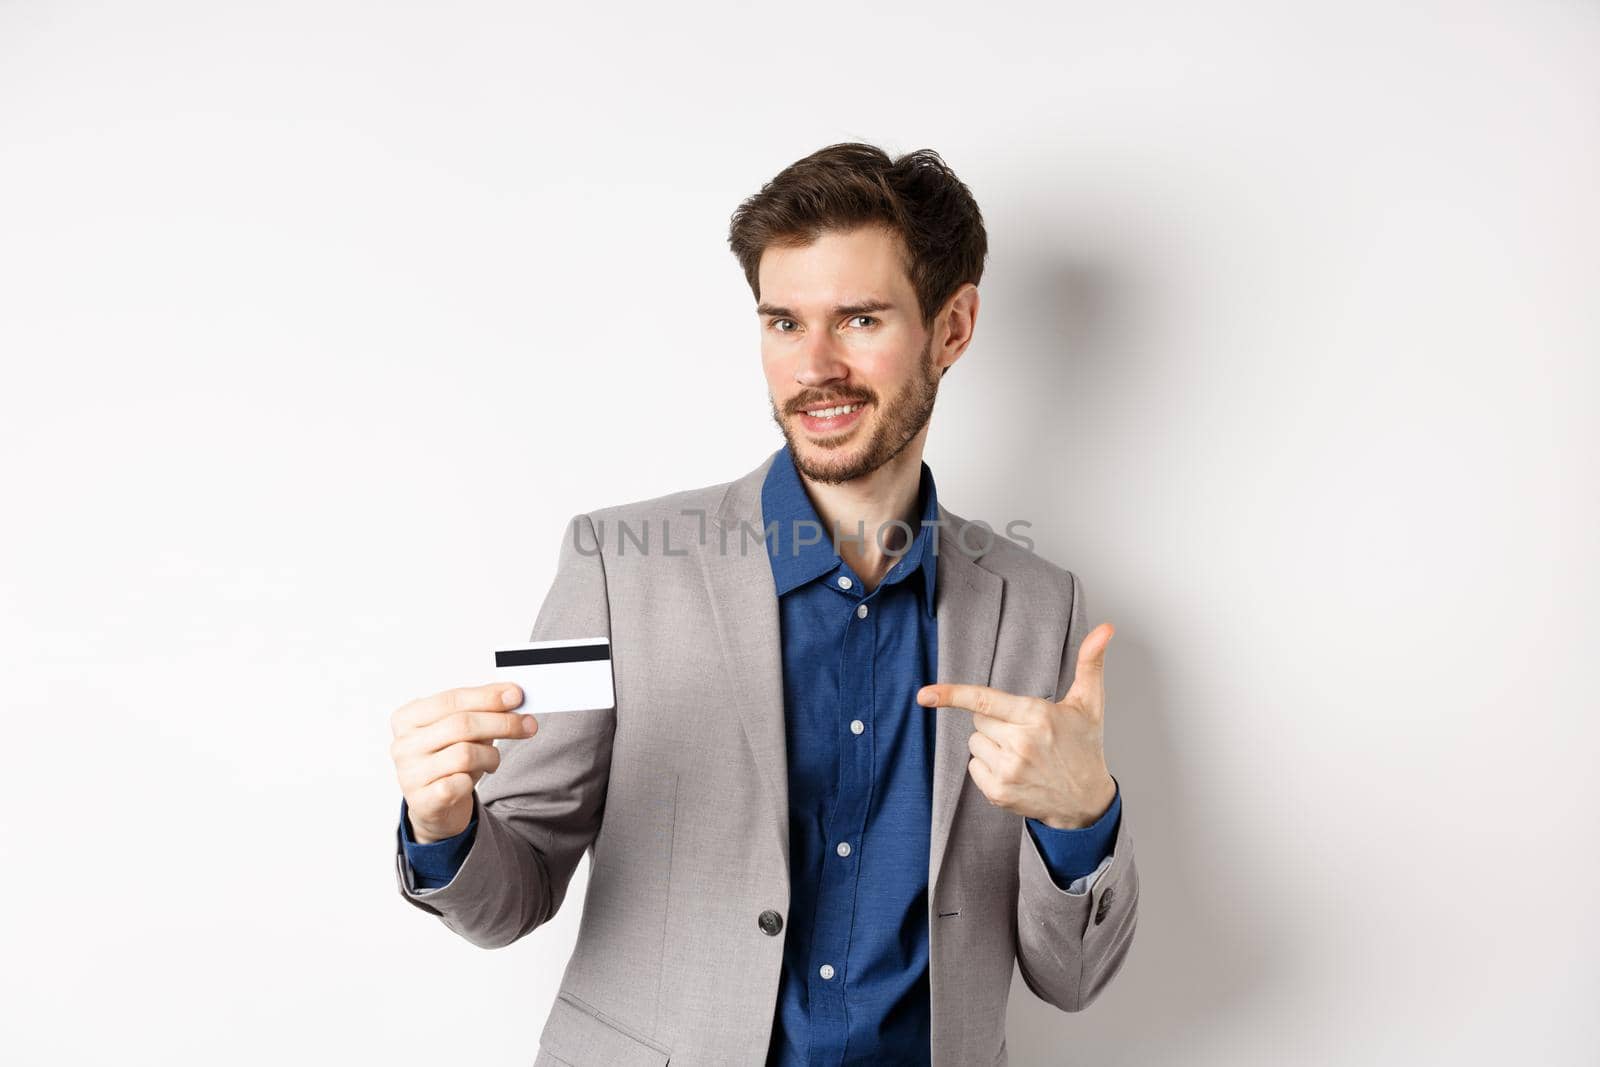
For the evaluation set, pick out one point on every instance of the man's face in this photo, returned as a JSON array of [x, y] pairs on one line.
[[840, 326]]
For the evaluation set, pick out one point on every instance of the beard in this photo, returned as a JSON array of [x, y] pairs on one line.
[[897, 423]]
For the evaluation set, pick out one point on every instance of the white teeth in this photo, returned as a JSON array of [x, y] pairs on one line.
[[828, 413]]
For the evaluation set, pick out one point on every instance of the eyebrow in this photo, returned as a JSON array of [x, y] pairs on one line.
[[860, 308]]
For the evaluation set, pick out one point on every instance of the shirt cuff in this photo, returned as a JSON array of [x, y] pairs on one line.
[[1071, 854], [434, 865]]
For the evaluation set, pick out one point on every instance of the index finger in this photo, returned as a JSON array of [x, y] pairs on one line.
[[983, 699], [498, 696]]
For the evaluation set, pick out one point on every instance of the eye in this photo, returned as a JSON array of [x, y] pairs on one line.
[[774, 323], [869, 318]]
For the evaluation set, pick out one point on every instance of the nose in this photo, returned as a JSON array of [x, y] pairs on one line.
[[818, 363]]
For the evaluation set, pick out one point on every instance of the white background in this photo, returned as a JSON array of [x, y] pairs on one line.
[[319, 319]]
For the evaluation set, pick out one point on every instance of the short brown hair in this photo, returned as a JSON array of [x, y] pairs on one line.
[[847, 185]]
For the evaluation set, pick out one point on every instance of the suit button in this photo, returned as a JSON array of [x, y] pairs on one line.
[[770, 922], [1105, 906]]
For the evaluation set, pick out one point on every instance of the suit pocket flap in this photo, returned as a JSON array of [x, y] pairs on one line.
[[582, 1036]]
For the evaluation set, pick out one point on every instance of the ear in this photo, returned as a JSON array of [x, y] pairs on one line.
[[961, 319]]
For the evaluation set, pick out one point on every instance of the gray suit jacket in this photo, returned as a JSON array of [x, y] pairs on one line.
[[680, 796]]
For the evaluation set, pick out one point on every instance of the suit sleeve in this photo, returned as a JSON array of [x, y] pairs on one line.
[[1071, 944], [540, 810]]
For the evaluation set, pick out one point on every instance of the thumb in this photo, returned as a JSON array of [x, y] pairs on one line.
[[1090, 678]]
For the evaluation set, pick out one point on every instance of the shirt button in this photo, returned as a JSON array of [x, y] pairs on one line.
[[843, 849], [856, 726], [826, 970], [844, 581], [861, 611]]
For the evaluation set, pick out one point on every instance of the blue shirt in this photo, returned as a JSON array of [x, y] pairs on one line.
[[854, 984]]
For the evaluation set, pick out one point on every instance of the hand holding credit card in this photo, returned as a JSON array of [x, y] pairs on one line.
[[445, 742], [567, 675]]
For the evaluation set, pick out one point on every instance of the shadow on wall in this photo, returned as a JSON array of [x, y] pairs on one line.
[[1080, 337]]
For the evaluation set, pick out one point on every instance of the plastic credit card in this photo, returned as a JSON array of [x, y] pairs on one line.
[[566, 675]]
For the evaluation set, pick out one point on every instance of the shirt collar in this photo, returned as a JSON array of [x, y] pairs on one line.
[[784, 501]]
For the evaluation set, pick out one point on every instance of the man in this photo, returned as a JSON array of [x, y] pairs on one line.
[[855, 767]]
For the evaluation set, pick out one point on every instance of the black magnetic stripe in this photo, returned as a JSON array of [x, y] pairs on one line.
[[525, 657]]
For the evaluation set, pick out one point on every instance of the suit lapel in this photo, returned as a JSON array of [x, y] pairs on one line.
[[745, 603], [967, 604]]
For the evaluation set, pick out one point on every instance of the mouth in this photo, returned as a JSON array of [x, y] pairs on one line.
[[832, 419]]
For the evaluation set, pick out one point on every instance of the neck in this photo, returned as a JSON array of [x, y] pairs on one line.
[[864, 506]]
